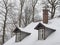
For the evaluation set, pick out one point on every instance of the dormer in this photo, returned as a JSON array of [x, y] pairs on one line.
[[20, 35], [43, 31]]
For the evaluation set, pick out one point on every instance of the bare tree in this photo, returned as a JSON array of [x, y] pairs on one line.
[[28, 15], [5, 11], [53, 5], [34, 2], [13, 17], [22, 4]]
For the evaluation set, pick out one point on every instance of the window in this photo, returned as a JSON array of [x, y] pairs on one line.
[[41, 34], [17, 37]]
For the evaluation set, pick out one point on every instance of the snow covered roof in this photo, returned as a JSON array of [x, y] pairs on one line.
[[20, 35], [53, 39], [17, 30]]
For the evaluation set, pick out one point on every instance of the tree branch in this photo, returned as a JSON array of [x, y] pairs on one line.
[[49, 2]]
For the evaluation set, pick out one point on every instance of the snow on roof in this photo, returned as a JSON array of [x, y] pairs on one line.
[[29, 39], [30, 27], [53, 39], [11, 41], [53, 23], [26, 41], [17, 30]]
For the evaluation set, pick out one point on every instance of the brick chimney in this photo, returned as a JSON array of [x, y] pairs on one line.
[[45, 15]]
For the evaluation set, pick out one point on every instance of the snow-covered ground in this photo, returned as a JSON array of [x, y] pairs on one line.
[[53, 39]]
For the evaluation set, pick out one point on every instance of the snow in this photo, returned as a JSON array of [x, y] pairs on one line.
[[29, 40], [53, 39], [11, 41]]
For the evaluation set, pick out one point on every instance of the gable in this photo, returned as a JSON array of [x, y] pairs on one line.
[[17, 30], [39, 26], [20, 35]]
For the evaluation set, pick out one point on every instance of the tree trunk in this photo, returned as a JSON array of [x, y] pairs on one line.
[[20, 17], [53, 12], [26, 20], [3, 37], [33, 14]]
